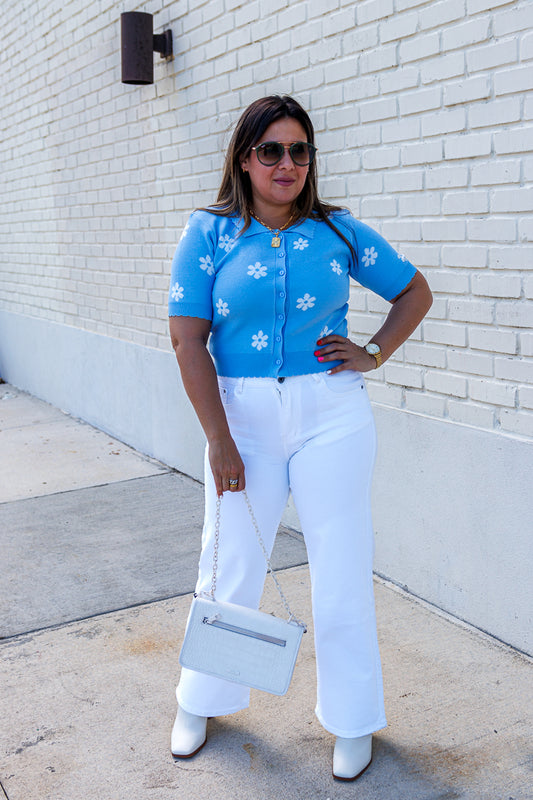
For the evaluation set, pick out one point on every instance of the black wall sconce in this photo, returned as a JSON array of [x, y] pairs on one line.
[[138, 46]]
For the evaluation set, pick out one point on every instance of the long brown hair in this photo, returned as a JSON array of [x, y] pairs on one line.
[[235, 193]]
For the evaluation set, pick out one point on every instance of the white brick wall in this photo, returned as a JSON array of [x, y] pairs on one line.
[[424, 116]]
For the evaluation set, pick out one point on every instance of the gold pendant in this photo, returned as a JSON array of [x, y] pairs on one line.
[[276, 241]]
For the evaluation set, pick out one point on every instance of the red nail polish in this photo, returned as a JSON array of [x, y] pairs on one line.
[[319, 342]]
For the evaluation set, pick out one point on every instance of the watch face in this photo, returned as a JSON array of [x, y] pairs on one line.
[[372, 348]]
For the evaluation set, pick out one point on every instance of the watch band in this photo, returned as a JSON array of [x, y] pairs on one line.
[[379, 359]]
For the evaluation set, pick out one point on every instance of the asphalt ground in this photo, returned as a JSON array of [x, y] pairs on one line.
[[99, 547]]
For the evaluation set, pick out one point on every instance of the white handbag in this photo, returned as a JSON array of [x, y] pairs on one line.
[[240, 644]]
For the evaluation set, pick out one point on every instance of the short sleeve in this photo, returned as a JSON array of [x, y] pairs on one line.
[[377, 265], [193, 269]]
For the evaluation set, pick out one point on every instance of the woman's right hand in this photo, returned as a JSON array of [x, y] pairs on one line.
[[226, 464]]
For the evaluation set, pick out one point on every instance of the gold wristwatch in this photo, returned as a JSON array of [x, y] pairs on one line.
[[373, 349]]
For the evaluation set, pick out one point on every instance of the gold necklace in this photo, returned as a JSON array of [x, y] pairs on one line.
[[276, 241]]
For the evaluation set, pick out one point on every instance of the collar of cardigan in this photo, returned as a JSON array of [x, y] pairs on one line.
[[305, 228]]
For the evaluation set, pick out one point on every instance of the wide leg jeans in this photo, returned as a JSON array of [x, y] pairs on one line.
[[313, 435]]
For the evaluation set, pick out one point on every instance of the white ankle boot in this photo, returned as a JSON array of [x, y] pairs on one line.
[[351, 757], [188, 734]]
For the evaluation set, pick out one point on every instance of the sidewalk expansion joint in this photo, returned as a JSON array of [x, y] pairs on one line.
[[145, 604], [90, 486]]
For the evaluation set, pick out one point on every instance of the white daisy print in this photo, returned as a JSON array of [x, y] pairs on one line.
[[305, 302], [257, 270], [226, 242], [402, 257], [325, 331], [222, 307], [206, 263], [259, 340], [336, 267], [370, 256], [301, 244], [177, 292]]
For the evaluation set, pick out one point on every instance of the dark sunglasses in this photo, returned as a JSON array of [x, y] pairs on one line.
[[271, 153]]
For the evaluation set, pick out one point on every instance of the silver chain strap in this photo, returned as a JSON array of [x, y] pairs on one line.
[[265, 554]]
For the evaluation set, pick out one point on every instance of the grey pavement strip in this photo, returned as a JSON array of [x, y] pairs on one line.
[[76, 554]]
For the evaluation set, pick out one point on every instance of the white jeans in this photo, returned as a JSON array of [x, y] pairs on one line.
[[313, 435]]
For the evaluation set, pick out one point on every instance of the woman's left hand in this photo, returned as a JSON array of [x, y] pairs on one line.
[[339, 348], [408, 310]]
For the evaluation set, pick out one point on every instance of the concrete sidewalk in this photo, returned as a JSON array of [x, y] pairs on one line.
[[99, 550]]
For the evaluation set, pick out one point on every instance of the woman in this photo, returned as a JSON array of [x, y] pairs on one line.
[[264, 274]]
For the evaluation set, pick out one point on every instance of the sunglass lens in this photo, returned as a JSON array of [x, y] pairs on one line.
[[302, 153], [270, 153]]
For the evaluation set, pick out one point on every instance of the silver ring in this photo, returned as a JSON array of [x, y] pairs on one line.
[[233, 481]]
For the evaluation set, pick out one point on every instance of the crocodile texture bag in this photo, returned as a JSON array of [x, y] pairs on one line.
[[240, 644]]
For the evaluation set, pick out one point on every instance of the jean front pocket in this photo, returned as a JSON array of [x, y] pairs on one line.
[[226, 391], [229, 388], [344, 381], [223, 394]]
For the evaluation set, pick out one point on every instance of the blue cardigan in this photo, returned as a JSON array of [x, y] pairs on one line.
[[268, 306]]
